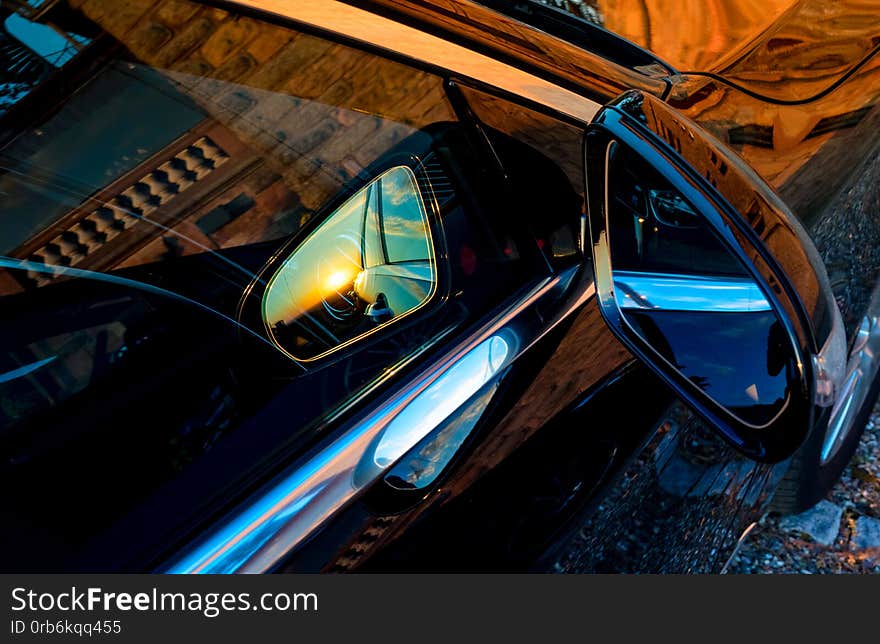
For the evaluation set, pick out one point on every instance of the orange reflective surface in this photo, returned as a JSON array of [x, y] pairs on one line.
[[692, 35], [782, 49]]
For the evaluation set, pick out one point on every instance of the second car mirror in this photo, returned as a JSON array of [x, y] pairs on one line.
[[691, 299], [706, 277]]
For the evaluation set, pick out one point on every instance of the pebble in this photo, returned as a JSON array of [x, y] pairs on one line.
[[856, 495], [867, 533], [821, 522]]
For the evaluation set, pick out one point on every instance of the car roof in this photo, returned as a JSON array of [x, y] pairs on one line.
[[778, 49], [463, 25]]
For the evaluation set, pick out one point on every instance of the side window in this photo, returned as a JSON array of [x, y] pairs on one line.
[[214, 232], [149, 178], [544, 157]]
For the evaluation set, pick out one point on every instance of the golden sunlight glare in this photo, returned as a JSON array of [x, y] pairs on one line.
[[336, 280]]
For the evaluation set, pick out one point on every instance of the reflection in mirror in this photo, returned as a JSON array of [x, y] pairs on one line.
[[369, 263], [689, 297]]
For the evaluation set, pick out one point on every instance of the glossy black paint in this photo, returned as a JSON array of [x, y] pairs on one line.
[[587, 461], [681, 527], [684, 528]]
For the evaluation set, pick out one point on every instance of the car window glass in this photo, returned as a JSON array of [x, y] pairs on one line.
[[543, 157], [149, 175], [155, 179]]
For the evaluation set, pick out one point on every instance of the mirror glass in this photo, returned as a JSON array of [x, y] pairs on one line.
[[368, 264], [691, 299]]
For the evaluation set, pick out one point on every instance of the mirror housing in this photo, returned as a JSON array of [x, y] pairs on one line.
[[704, 183]]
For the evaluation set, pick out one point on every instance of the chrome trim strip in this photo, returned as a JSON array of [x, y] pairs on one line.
[[258, 536], [699, 293], [378, 31], [855, 381]]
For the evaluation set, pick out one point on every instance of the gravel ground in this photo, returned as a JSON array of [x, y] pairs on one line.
[[848, 521]]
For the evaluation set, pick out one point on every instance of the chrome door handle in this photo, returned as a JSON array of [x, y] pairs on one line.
[[267, 528]]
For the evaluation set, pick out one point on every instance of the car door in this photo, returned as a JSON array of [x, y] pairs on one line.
[[766, 420], [511, 492]]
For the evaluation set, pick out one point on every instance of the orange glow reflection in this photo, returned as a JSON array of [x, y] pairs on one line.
[[337, 280]]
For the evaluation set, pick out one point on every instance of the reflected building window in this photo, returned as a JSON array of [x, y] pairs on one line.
[[30, 49]]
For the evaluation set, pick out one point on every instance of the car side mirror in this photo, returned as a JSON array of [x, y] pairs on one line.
[[369, 264], [687, 280]]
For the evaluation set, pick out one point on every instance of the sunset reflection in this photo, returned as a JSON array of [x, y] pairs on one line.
[[370, 262]]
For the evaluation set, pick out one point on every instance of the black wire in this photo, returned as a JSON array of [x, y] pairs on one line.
[[779, 101]]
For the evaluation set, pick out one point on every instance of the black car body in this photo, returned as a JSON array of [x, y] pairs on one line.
[[337, 286]]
